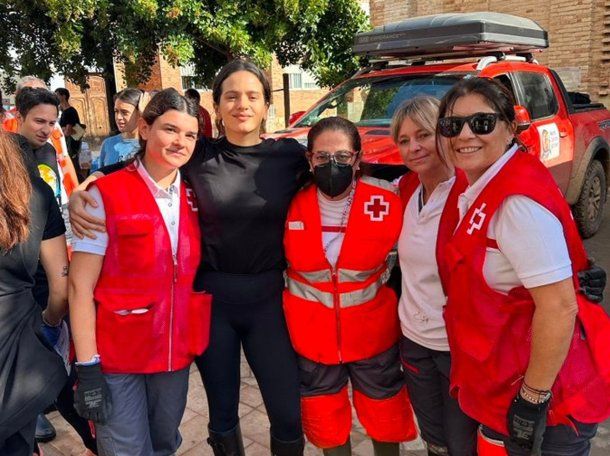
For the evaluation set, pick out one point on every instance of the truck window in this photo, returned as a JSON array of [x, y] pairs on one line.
[[371, 102], [539, 97]]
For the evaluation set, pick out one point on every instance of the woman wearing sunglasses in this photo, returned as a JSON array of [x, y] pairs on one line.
[[527, 349], [341, 316], [427, 191]]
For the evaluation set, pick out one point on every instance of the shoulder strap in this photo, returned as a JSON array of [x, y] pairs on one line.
[[406, 187], [448, 222]]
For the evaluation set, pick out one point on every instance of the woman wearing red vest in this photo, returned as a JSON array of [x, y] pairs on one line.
[[530, 356], [428, 191], [341, 316], [136, 322]]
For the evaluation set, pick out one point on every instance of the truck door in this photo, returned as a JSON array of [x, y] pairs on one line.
[[551, 132]]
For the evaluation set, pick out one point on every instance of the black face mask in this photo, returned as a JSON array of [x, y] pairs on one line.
[[333, 179]]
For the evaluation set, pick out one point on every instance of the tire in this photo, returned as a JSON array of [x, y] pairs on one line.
[[589, 209]]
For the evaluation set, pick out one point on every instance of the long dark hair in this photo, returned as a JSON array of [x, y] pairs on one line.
[[15, 192], [162, 102], [233, 67]]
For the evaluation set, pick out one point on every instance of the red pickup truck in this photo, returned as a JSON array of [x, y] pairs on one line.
[[565, 130]]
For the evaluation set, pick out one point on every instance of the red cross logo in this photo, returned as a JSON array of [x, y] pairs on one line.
[[477, 219], [377, 208], [191, 200]]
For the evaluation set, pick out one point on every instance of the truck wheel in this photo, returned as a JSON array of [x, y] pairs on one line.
[[589, 209]]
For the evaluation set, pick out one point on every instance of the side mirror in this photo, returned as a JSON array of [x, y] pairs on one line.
[[522, 117], [295, 116]]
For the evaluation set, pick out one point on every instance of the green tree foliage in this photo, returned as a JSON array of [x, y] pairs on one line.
[[67, 36]]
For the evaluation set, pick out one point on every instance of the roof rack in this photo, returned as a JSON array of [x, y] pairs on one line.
[[453, 36]]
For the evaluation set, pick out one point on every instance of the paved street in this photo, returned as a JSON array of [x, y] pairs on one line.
[[254, 422]]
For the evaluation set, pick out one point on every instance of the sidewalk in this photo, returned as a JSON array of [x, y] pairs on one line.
[[254, 425]]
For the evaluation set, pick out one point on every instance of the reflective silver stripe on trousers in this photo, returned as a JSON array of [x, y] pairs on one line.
[[347, 299]]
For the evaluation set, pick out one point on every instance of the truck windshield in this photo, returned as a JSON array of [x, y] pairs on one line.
[[371, 102]]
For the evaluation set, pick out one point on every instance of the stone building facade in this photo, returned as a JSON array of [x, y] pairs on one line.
[[579, 33]]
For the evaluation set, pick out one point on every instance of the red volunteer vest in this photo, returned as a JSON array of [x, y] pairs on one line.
[[449, 218], [139, 272], [490, 333], [347, 313]]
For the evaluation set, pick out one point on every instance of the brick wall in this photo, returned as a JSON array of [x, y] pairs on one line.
[[300, 100], [579, 32]]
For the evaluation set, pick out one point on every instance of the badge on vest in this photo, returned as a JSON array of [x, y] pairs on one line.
[[477, 219], [191, 200], [296, 225], [377, 208]]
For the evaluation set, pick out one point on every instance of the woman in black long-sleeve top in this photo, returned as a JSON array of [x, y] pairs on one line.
[[243, 186]]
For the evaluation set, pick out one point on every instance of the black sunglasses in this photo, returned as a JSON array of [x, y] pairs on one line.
[[481, 123]]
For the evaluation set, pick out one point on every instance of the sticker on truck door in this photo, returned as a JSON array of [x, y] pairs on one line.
[[549, 142]]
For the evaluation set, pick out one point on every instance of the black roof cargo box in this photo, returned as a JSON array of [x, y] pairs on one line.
[[453, 35]]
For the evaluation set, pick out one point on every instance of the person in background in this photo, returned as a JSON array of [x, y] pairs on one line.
[[123, 146], [341, 314], [31, 229], [37, 113], [205, 121], [69, 179], [68, 121], [136, 321], [530, 351]]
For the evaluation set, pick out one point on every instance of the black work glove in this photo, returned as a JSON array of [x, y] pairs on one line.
[[526, 423], [91, 396], [592, 282]]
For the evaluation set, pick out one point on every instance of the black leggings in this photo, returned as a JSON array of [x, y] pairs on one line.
[[247, 311]]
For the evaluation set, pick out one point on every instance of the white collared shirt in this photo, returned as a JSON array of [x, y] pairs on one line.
[[168, 202], [422, 299], [532, 249]]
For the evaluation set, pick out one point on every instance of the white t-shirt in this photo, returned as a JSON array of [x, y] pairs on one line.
[[168, 202], [532, 249], [422, 299], [333, 216]]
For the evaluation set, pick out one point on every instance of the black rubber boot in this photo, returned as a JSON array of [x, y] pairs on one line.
[[343, 450], [284, 448], [229, 443], [45, 432], [386, 448]]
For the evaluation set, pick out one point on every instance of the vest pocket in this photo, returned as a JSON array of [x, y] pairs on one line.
[[125, 330], [136, 244]]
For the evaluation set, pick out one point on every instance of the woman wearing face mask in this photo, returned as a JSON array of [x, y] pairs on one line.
[[428, 191], [126, 114], [529, 354], [136, 322], [341, 316], [243, 185]]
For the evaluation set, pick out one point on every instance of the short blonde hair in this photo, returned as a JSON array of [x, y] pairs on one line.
[[423, 110]]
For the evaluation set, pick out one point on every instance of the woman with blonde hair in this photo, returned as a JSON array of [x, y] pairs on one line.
[[31, 372], [429, 187]]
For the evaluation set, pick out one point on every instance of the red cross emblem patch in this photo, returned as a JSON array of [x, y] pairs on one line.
[[477, 219], [377, 208], [191, 200]]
